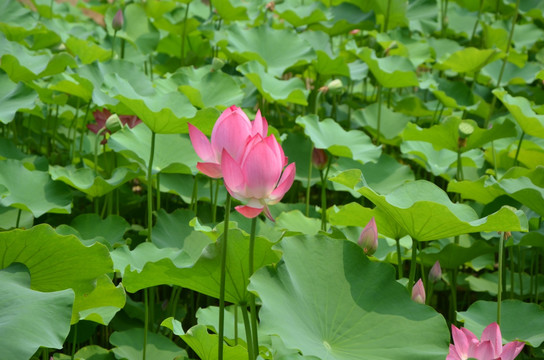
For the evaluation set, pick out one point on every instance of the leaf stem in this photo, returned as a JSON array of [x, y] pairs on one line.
[[324, 177], [399, 259], [308, 183], [386, 22], [501, 269], [379, 114], [516, 162], [253, 308], [224, 240], [413, 265], [250, 351], [150, 187], [184, 33]]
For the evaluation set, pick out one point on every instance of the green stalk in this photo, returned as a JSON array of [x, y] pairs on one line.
[[235, 324], [477, 20], [508, 44], [399, 259], [82, 131], [158, 191], [501, 269], [250, 351], [18, 218], [150, 187], [386, 22], [253, 308], [413, 265], [146, 321], [511, 253], [516, 162], [453, 288], [379, 114], [222, 283], [324, 178], [113, 43], [74, 341], [310, 166], [521, 261], [184, 32]]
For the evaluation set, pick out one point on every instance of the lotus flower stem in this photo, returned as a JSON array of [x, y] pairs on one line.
[[477, 21], [183, 34], [532, 277], [158, 191], [505, 60], [146, 321], [399, 259], [250, 351], [253, 308], [194, 195], [516, 162], [511, 253], [501, 269], [150, 187], [453, 288], [379, 114], [222, 281], [83, 129], [521, 262], [113, 42], [413, 265], [324, 177], [308, 183]]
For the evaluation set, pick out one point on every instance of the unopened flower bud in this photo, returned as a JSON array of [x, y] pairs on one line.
[[118, 20], [436, 272], [113, 123], [369, 238], [355, 31], [336, 86], [217, 64], [418, 292], [319, 158]]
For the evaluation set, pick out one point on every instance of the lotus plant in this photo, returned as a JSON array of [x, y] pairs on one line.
[[101, 117], [368, 239], [466, 345], [418, 292], [231, 132]]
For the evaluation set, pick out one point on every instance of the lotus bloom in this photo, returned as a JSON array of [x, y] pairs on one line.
[[101, 117], [369, 237], [418, 292], [436, 272], [118, 20], [466, 345], [257, 178], [319, 158], [231, 132]]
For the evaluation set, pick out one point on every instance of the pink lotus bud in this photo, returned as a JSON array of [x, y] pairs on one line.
[[369, 238], [118, 20], [418, 292], [436, 272], [319, 158], [355, 31]]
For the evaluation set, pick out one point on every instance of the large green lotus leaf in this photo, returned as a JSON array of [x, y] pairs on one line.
[[93, 352], [294, 222], [203, 276], [33, 191], [260, 45], [426, 213], [446, 134], [170, 230], [138, 29], [209, 316], [392, 123], [14, 97], [85, 180], [173, 152], [345, 17], [440, 162], [86, 50], [273, 89], [72, 84], [112, 228], [9, 217], [207, 88], [17, 20], [40, 249], [101, 304], [164, 113], [22, 64], [469, 60], [512, 74], [521, 109], [129, 345], [453, 94], [329, 135], [452, 255], [519, 320], [203, 343], [298, 14], [357, 309], [487, 282], [354, 214], [326, 65], [484, 190], [391, 71], [297, 148], [29, 318], [525, 186], [232, 10]]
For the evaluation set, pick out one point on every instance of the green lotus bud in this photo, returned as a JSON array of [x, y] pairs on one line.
[[113, 123], [217, 64], [336, 86]]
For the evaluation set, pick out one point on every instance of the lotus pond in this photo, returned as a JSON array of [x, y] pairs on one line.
[[296, 179]]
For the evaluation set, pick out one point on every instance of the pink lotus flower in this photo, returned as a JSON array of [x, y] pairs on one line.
[[418, 292], [102, 116], [231, 132], [369, 237], [319, 158], [436, 272], [466, 345], [258, 177]]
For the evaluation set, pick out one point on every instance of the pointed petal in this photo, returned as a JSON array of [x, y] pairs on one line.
[[268, 214], [460, 340], [511, 350], [453, 355], [262, 171], [230, 133], [212, 170], [484, 351], [260, 126], [232, 175], [492, 333], [284, 184], [201, 144], [248, 211]]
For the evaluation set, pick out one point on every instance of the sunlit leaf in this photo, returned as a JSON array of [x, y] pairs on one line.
[[521, 110], [391, 71]]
